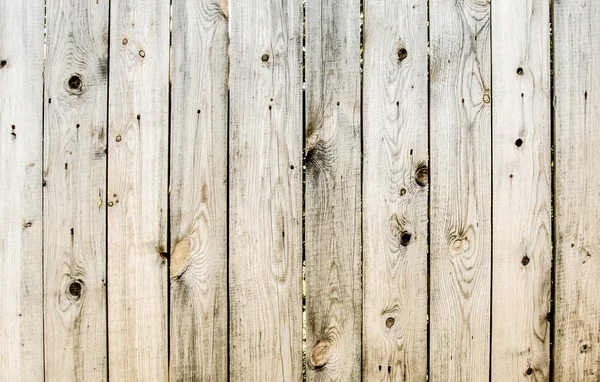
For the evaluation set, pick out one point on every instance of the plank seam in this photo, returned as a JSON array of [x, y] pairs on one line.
[[550, 318], [106, 194]]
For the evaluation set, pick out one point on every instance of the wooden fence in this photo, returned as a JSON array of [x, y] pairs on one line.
[[386, 190]]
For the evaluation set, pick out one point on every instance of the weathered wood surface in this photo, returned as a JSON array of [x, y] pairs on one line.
[[265, 190], [522, 195], [460, 227], [75, 157], [21, 97], [198, 197], [577, 181], [137, 190], [333, 191], [395, 186]]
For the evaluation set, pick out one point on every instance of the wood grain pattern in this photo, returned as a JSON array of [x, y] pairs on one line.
[[74, 207], [137, 190], [21, 97], [395, 187], [460, 190], [577, 181], [522, 216], [333, 191], [198, 197], [265, 190]]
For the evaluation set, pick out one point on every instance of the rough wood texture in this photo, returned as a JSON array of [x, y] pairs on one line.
[[137, 190], [522, 216], [333, 188], [75, 174], [21, 97], [460, 155], [198, 196], [265, 190], [577, 202], [395, 186]]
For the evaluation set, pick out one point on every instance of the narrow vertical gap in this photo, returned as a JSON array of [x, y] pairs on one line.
[[304, 365], [428, 251], [44, 54], [106, 227], [168, 254], [550, 317], [491, 192], [362, 151], [227, 234]]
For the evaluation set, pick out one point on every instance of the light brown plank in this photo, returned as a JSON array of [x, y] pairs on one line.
[[460, 153], [21, 97], [395, 187], [577, 181], [265, 190], [74, 199], [198, 195], [333, 191], [522, 216], [137, 190]]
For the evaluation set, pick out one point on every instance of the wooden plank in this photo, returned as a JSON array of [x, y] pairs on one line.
[[198, 199], [21, 98], [75, 173], [522, 216], [137, 190], [395, 187], [460, 157], [577, 202], [265, 191], [333, 191]]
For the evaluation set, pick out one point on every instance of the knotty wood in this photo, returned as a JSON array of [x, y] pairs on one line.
[[74, 199], [137, 190], [460, 156], [577, 203], [21, 97], [198, 195], [333, 191], [395, 186], [522, 221], [265, 190]]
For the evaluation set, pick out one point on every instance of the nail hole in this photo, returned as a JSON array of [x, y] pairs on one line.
[[522, 95], [265, 57], [125, 41], [511, 175], [402, 191], [198, 111], [520, 71], [397, 103], [405, 238], [389, 322], [75, 289], [519, 142], [77, 126], [338, 103], [138, 117], [291, 167], [402, 54], [525, 260], [75, 82], [2, 63], [389, 369], [379, 367], [27, 225], [270, 107], [118, 138]]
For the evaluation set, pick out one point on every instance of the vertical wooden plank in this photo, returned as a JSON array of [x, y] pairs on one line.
[[395, 187], [522, 216], [21, 81], [577, 181], [460, 157], [199, 191], [137, 190], [265, 190], [75, 176], [333, 191]]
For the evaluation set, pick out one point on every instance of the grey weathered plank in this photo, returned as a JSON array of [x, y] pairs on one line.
[[137, 190], [460, 228], [333, 191], [198, 196], [265, 190], [522, 221], [76, 78], [577, 181], [395, 188], [21, 97]]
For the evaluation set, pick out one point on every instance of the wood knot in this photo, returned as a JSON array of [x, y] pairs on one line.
[[405, 238], [518, 142], [142, 53], [320, 355], [402, 54], [264, 57], [389, 322], [520, 71], [529, 371], [75, 82], [525, 260], [75, 289], [456, 247], [422, 175], [584, 348], [180, 257], [486, 98]]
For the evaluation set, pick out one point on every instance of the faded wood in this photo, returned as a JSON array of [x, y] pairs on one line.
[[522, 221], [395, 186], [21, 97], [74, 198], [577, 202], [265, 190], [460, 190], [333, 191], [198, 197], [137, 190]]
